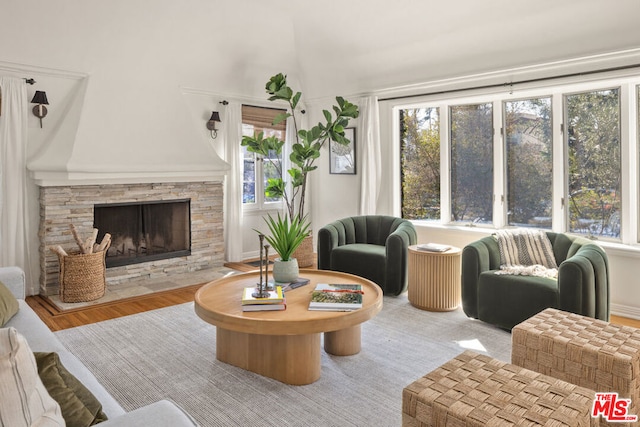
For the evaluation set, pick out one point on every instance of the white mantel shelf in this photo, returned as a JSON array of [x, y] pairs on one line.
[[60, 179]]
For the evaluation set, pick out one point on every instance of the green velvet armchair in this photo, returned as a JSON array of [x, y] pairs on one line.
[[370, 246], [582, 285]]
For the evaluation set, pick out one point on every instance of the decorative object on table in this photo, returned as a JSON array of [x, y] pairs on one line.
[[336, 297], [433, 247], [300, 281], [305, 149], [83, 274], [261, 289], [285, 238], [342, 158]]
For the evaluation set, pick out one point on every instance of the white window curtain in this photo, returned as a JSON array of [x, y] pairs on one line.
[[232, 135], [369, 146], [14, 216]]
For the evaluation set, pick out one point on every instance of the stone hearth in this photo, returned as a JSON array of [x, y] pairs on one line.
[[62, 205]]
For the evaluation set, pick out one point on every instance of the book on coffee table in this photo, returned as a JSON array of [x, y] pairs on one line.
[[336, 297], [276, 296], [265, 307]]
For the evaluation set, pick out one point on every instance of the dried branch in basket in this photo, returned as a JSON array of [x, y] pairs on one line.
[[88, 244], [105, 243], [58, 249], [77, 238]]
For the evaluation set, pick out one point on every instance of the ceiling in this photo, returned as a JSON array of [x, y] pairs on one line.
[[330, 46]]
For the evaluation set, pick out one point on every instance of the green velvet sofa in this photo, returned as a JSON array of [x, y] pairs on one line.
[[582, 285], [369, 246]]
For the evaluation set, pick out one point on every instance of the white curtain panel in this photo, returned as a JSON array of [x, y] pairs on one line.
[[369, 146], [14, 218], [232, 135]]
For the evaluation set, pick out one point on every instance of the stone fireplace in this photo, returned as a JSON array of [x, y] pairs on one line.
[[193, 211]]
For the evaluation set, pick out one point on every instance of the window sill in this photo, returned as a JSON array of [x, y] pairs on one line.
[[611, 248]]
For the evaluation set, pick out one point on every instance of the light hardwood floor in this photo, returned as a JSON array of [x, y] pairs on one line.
[[57, 320]]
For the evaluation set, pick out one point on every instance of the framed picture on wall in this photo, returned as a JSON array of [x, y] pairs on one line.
[[342, 158]]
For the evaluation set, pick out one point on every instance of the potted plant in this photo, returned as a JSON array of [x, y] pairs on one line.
[[292, 186], [285, 238]]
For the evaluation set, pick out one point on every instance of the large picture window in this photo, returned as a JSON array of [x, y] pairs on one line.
[[549, 157], [593, 141], [420, 163], [257, 171], [528, 142], [472, 163]]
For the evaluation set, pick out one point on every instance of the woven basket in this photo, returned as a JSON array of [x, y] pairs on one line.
[[304, 253], [82, 276]]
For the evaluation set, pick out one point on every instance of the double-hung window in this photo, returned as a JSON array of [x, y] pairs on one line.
[[257, 171]]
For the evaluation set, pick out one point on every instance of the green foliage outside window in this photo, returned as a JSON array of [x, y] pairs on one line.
[[420, 136], [593, 123]]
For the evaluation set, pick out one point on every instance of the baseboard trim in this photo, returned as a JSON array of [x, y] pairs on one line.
[[625, 311]]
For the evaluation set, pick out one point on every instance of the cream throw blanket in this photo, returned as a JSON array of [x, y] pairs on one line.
[[526, 253]]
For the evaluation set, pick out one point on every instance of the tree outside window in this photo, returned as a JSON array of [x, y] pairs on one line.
[[420, 163], [528, 141], [594, 168], [472, 163]]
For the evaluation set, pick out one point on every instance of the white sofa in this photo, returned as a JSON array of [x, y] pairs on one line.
[[159, 414]]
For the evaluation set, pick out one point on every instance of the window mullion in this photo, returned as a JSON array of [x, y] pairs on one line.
[[560, 186], [445, 164], [629, 166], [499, 169]]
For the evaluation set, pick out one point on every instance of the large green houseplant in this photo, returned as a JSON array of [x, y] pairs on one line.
[[291, 185]]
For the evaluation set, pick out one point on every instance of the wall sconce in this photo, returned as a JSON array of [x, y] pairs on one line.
[[40, 111], [211, 124]]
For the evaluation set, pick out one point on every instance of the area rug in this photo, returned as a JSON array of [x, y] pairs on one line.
[[170, 354]]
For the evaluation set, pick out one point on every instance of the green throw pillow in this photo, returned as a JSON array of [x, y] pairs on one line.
[[79, 407], [8, 304]]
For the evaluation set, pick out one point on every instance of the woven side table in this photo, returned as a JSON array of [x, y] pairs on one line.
[[589, 352], [476, 390], [434, 279]]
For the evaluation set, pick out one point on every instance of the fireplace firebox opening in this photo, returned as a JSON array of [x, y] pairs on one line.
[[145, 231]]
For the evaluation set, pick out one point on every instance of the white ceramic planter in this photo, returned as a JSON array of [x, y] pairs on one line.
[[285, 271]]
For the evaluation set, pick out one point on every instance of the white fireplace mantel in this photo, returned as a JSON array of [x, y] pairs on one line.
[[66, 178]]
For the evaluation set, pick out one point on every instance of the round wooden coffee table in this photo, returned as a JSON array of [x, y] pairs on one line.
[[284, 345]]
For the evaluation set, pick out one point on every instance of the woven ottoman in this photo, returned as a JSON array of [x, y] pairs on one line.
[[477, 390], [588, 352]]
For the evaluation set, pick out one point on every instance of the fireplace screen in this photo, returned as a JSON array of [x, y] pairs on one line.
[[142, 232]]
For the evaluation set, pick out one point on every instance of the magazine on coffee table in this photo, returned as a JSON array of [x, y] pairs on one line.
[[336, 297]]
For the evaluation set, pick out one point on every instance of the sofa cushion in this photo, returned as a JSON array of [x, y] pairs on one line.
[[41, 338], [500, 297], [8, 304], [24, 401], [79, 407]]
